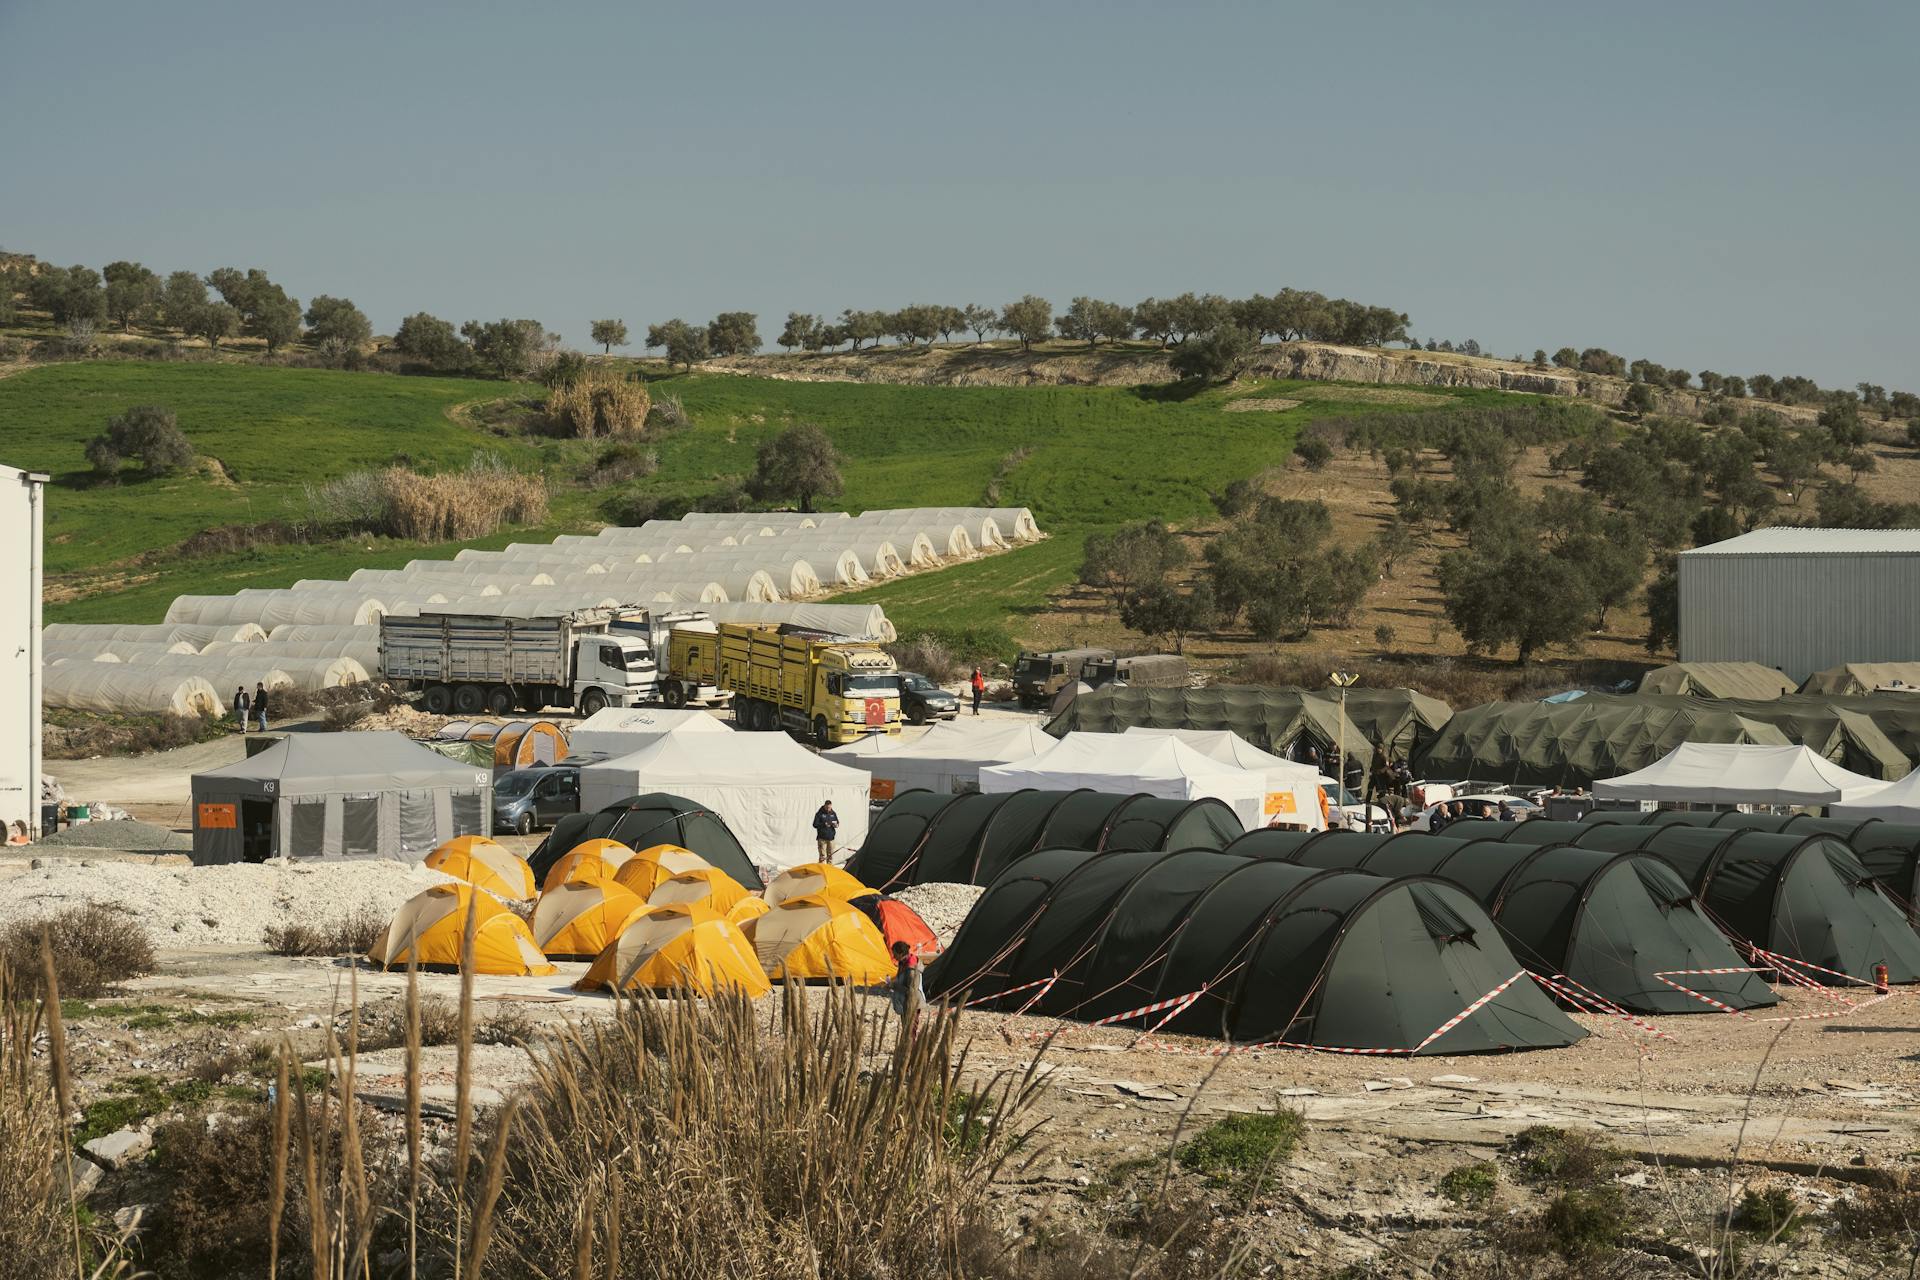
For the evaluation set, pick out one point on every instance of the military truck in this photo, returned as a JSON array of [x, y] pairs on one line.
[[1038, 676], [1143, 671], [825, 688]]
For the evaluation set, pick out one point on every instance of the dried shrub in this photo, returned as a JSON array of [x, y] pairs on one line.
[[35, 1232], [458, 506], [1888, 1209], [667, 414], [350, 935], [599, 402], [94, 946], [619, 463], [1551, 1156], [929, 655]]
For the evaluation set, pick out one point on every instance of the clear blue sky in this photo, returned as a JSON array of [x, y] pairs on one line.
[[1722, 185]]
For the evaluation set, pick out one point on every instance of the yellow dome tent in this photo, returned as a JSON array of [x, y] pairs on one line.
[[653, 866], [814, 937], [588, 860], [429, 928], [708, 885], [815, 877], [480, 861], [746, 909], [679, 947], [576, 920]]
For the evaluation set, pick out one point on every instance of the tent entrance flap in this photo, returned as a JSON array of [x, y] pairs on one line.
[[256, 830]]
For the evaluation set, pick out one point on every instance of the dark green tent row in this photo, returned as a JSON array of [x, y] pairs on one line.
[[1800, 895], [923, 836], [644, 821], [1272, 719], [1329, 958], [1603, 735], [1610, 921], [1890, 851]]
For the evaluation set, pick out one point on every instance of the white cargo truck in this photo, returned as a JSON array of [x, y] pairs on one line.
[[467, 664]]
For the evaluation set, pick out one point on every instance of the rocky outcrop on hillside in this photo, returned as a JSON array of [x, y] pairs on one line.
[[972, 366]]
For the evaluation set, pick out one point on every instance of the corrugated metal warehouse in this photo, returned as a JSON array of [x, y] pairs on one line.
[[1802, 600]]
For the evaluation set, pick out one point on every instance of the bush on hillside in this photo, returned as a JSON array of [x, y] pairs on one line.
[[94, 947], [596, 403], [146, 433], [453, 506]]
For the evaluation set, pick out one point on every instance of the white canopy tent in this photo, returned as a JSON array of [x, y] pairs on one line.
[[1125, 763], [946, 758], [765, 785], [1740, 773], [1294, 793], [619, 731], [1893, 802]]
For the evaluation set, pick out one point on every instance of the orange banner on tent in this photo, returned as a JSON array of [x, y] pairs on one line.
[[881, 789], [219, 817], [1280, 802]]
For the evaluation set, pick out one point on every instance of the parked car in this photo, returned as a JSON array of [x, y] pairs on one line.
[[922, 700], [1518, 808], [1354, 813], [524, 799]]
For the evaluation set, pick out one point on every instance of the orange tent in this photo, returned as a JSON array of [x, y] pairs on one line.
[[679, 947], [901, 923], [653, 866], [591, 860], [813, 938], [429, 929], [709, 885], [815, 877], [576, 920], [480, 861]]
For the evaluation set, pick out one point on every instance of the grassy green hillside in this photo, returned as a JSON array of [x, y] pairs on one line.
[[1082, 458]]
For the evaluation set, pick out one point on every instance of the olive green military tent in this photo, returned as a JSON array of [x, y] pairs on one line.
[[1890, 851], [1282, 721], [1269, 951], [1612, 922], [1572, 743], [1848, 736], [1717, 680], [1864, 677], [1800, 895], [923, 837], [1402, 720], [642, 821]]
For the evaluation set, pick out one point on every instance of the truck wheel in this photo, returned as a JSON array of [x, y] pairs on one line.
[[746, 714], [821, 738], [499, 700], [469, 699], [592, 702], [675, 694], [437, 700]]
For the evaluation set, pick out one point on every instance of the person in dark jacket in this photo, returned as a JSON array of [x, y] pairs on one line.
[[260, 704], [826, 825], [240, 705]]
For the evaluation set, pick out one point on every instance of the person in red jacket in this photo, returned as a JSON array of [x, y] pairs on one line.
[[979, 683]]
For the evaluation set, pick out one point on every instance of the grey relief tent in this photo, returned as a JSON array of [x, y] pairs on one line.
[[338, 795], [1611, 922], [1803, 896], [1282, 721], [924, 837], [1717, 680], [1269, 951]]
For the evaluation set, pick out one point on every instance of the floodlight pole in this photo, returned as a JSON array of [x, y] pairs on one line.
[[1344, 679]]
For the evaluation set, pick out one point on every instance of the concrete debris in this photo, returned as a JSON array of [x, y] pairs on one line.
[[119, 1149]]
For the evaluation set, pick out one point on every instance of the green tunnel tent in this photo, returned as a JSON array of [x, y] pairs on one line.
[[1609, 921], [1890, 851], [1333, 959], [1274, 720], [1573, 743], [642, 821], [1802, 896], [924, 838]]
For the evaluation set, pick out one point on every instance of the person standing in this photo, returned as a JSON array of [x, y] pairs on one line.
[[826, 824], [240, 705], [909, 995], [260, 704], [979, 684]]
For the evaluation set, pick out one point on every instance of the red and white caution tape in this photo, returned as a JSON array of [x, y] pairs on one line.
[[1582, 996], [1045, 984]]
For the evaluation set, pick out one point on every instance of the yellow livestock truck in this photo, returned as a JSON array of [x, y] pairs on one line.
[[826, 688]]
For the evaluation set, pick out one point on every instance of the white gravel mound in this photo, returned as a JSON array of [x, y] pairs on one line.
[[220, 906], [942, 906]]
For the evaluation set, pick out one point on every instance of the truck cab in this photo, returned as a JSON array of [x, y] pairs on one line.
[[1038, 676], [612, 670]]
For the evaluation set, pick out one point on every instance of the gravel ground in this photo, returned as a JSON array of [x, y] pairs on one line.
[[217, 906], [124, 834], [942, 906]]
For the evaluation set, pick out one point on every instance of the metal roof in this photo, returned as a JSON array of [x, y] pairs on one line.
[[1787, 540]]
